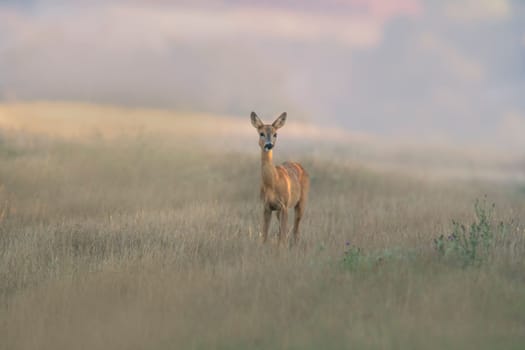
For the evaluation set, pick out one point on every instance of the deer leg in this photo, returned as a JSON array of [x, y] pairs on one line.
[[283, 221], [266, 223], [299, 210]]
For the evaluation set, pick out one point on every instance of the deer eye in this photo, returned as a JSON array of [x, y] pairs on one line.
[[261, 134], [274, 135]]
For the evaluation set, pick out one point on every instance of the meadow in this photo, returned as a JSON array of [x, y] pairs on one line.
[[123, 229]]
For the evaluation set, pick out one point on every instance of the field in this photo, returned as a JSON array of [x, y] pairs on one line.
[[124, 229]]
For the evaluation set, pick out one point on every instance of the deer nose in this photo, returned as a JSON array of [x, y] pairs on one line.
[[268, 146]]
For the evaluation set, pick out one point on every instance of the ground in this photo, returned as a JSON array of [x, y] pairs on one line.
[[120, 235]]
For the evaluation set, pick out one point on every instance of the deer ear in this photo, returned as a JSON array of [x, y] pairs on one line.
[[256, 122], [279, 122]]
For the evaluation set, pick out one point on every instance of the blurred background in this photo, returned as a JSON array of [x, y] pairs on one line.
[[444, 72]]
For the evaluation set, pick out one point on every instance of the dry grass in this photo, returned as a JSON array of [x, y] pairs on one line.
[[151, 242]]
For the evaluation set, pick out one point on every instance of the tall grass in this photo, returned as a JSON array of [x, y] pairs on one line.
[[146, 242]]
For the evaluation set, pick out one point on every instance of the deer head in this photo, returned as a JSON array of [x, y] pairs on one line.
[[267, 132]]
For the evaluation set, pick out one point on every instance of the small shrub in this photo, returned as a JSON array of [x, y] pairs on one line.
[[473, 244]]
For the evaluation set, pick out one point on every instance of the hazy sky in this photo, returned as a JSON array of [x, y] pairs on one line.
[[443, 70]]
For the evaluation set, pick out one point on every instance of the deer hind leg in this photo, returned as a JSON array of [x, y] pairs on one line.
[[266, 223], [282, 215], [299, 210]]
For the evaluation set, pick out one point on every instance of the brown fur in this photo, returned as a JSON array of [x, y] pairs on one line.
[[282, 187]]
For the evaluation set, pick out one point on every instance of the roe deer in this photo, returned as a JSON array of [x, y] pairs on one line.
[[282, 187]]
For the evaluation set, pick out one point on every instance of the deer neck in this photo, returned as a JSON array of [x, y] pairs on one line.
[[269, 173]]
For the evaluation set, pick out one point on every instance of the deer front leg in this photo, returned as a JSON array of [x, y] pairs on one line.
[[266, 223], [283, 221]]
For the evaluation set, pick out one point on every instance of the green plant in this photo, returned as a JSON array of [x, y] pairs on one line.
[[473, 244], [353, 256]]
